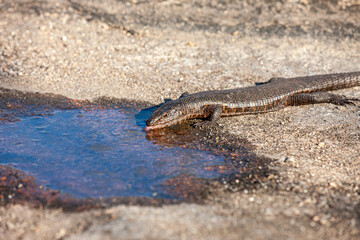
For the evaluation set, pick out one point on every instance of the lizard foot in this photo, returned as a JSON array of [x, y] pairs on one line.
[[343, 100], [202, 124]]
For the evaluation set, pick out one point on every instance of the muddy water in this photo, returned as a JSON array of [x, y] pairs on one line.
[[105, 152]]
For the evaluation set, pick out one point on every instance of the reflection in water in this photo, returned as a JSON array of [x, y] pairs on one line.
[[105, 152]]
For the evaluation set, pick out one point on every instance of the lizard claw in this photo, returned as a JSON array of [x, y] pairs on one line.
[[343, 102]]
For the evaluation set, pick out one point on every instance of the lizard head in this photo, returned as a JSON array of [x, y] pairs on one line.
[[168, 114]]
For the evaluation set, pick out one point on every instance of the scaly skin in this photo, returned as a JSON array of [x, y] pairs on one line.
[[273, 95]]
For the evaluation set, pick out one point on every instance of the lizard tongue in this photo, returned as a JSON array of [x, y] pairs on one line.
[[147, 128]]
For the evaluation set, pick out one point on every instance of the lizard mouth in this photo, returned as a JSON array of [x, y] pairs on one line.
[[164, 124], [148, 128]]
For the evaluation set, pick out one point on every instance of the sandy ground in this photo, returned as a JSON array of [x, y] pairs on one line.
[[152, 50]]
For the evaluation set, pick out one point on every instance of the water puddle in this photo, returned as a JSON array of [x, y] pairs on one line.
[[96, 151]]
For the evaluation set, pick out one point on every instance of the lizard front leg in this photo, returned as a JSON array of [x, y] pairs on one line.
[[212, 113]]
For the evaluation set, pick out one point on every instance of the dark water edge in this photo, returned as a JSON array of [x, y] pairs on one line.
[[242, 169]]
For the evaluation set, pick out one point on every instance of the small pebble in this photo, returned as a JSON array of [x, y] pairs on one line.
[[289, 159], [316, 218]]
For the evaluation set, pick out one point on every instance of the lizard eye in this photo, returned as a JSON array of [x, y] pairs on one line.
[[165, 115]]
